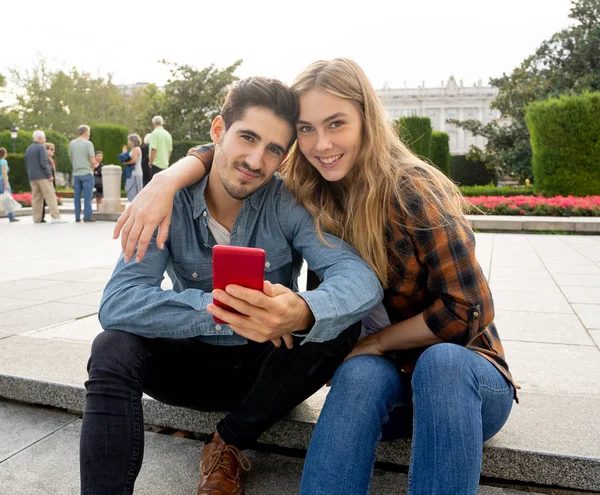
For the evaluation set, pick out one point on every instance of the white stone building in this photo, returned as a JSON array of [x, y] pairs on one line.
[[127, 90], [450, 101]]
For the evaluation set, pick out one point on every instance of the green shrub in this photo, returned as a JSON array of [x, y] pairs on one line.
[[180, 149], [17, 177], [470, 173], [492, 190], [61, 154], [416, 132], [440, 151], [24, 139], [565, 143], [109, 138]]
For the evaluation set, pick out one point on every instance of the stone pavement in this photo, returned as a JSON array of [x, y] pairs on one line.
[[547, 296]]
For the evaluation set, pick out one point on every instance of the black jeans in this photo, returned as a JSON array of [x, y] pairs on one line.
[[256, 383]]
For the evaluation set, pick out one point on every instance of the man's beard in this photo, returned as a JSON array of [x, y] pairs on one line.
[[235, 191]]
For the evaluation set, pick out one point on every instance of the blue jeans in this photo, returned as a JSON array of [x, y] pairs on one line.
[[459, 400], [11, 215], [85, 182]]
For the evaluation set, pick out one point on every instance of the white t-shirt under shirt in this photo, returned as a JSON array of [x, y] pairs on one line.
[[373, 322]]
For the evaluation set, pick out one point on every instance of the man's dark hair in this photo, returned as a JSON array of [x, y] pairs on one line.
[[98, 152], [261, 92]]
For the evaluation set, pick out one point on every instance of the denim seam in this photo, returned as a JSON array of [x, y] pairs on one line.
[[131, 476]]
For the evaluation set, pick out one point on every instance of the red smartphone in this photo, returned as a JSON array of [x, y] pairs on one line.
[[237, 265]]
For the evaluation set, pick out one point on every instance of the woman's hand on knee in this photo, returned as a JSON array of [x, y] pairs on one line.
[[369, 345]]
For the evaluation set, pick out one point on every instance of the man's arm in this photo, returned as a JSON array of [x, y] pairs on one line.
[[349, 288], [92, 155], [133, 301], [152, 156]]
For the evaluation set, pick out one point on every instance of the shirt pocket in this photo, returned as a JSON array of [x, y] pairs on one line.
[[196, 275], [278, 267]]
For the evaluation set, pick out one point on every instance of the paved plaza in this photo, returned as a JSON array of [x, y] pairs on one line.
[[547, 297]]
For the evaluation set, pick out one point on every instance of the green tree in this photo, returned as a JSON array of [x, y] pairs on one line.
[[567, 63], [193, 98], [62, 100], [416, 132], [142, 106]]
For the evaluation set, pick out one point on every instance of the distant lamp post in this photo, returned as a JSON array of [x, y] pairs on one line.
[[13, 134]]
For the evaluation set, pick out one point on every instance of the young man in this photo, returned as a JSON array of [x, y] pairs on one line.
[[166, 344], [81, 152]]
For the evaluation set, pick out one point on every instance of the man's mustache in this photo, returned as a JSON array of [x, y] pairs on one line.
[[247, 167]]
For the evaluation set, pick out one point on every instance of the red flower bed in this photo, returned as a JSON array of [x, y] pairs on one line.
[[25, 199], [558, 206]]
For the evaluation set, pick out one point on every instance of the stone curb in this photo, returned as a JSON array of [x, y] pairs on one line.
[[294, 431]]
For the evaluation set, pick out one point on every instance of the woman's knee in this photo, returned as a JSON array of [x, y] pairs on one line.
[[441, 364], [367, 378]]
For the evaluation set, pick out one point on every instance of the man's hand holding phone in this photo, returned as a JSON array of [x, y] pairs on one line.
[[271, 314]]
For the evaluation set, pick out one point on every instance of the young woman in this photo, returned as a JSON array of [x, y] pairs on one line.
[[134, 184], [4, 184], [430, 351]]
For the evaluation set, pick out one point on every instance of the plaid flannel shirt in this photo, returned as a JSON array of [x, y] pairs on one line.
[[435, 272]]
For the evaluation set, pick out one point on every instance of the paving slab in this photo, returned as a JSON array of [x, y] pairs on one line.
[[89, 299], [43, 315], [82, 330], [541, 327], [530, 301], [499, 271], [566, 267], [579, 279], [16, 286], [525, 284], [59, 290], [45, 359], [82, 275], [585, 295], [9, 304], [171, 465], [549, 367], [589, 314], [22, 425], [596, 336]]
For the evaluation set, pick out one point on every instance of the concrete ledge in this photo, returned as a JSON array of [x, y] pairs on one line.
[[508, 223], [549, 440]]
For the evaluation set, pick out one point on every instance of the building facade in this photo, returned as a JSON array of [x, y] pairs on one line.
[[450, 101]]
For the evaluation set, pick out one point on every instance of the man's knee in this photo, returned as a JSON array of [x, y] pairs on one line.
[[116, 349]]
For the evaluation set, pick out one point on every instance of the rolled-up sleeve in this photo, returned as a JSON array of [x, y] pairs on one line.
[[133, 301], [464, 306]]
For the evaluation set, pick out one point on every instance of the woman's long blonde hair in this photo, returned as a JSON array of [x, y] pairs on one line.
[[385, 180]]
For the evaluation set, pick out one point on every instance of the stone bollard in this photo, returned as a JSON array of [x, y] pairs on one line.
[[111, 190]]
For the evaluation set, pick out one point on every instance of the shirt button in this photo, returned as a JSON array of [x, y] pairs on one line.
[[267, 264], [475, 314], [194, 275], [218, 327], [204, 213]]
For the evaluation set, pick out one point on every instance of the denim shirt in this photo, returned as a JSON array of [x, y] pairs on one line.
[[270, 219]]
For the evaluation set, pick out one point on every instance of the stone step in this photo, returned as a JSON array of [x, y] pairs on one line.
[[550, 439], [40, 455]]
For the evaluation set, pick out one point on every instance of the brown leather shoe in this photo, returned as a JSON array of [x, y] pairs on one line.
[[221, 469]]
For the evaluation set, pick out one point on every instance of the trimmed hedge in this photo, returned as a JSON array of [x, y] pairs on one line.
[[440, 151], [109, 138], [470, 173], [416, 132], [565, 143], [17, 176], [492, 190], [180, 149], [25, 138]]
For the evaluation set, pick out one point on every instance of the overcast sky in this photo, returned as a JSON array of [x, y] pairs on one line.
[[395, 41]]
